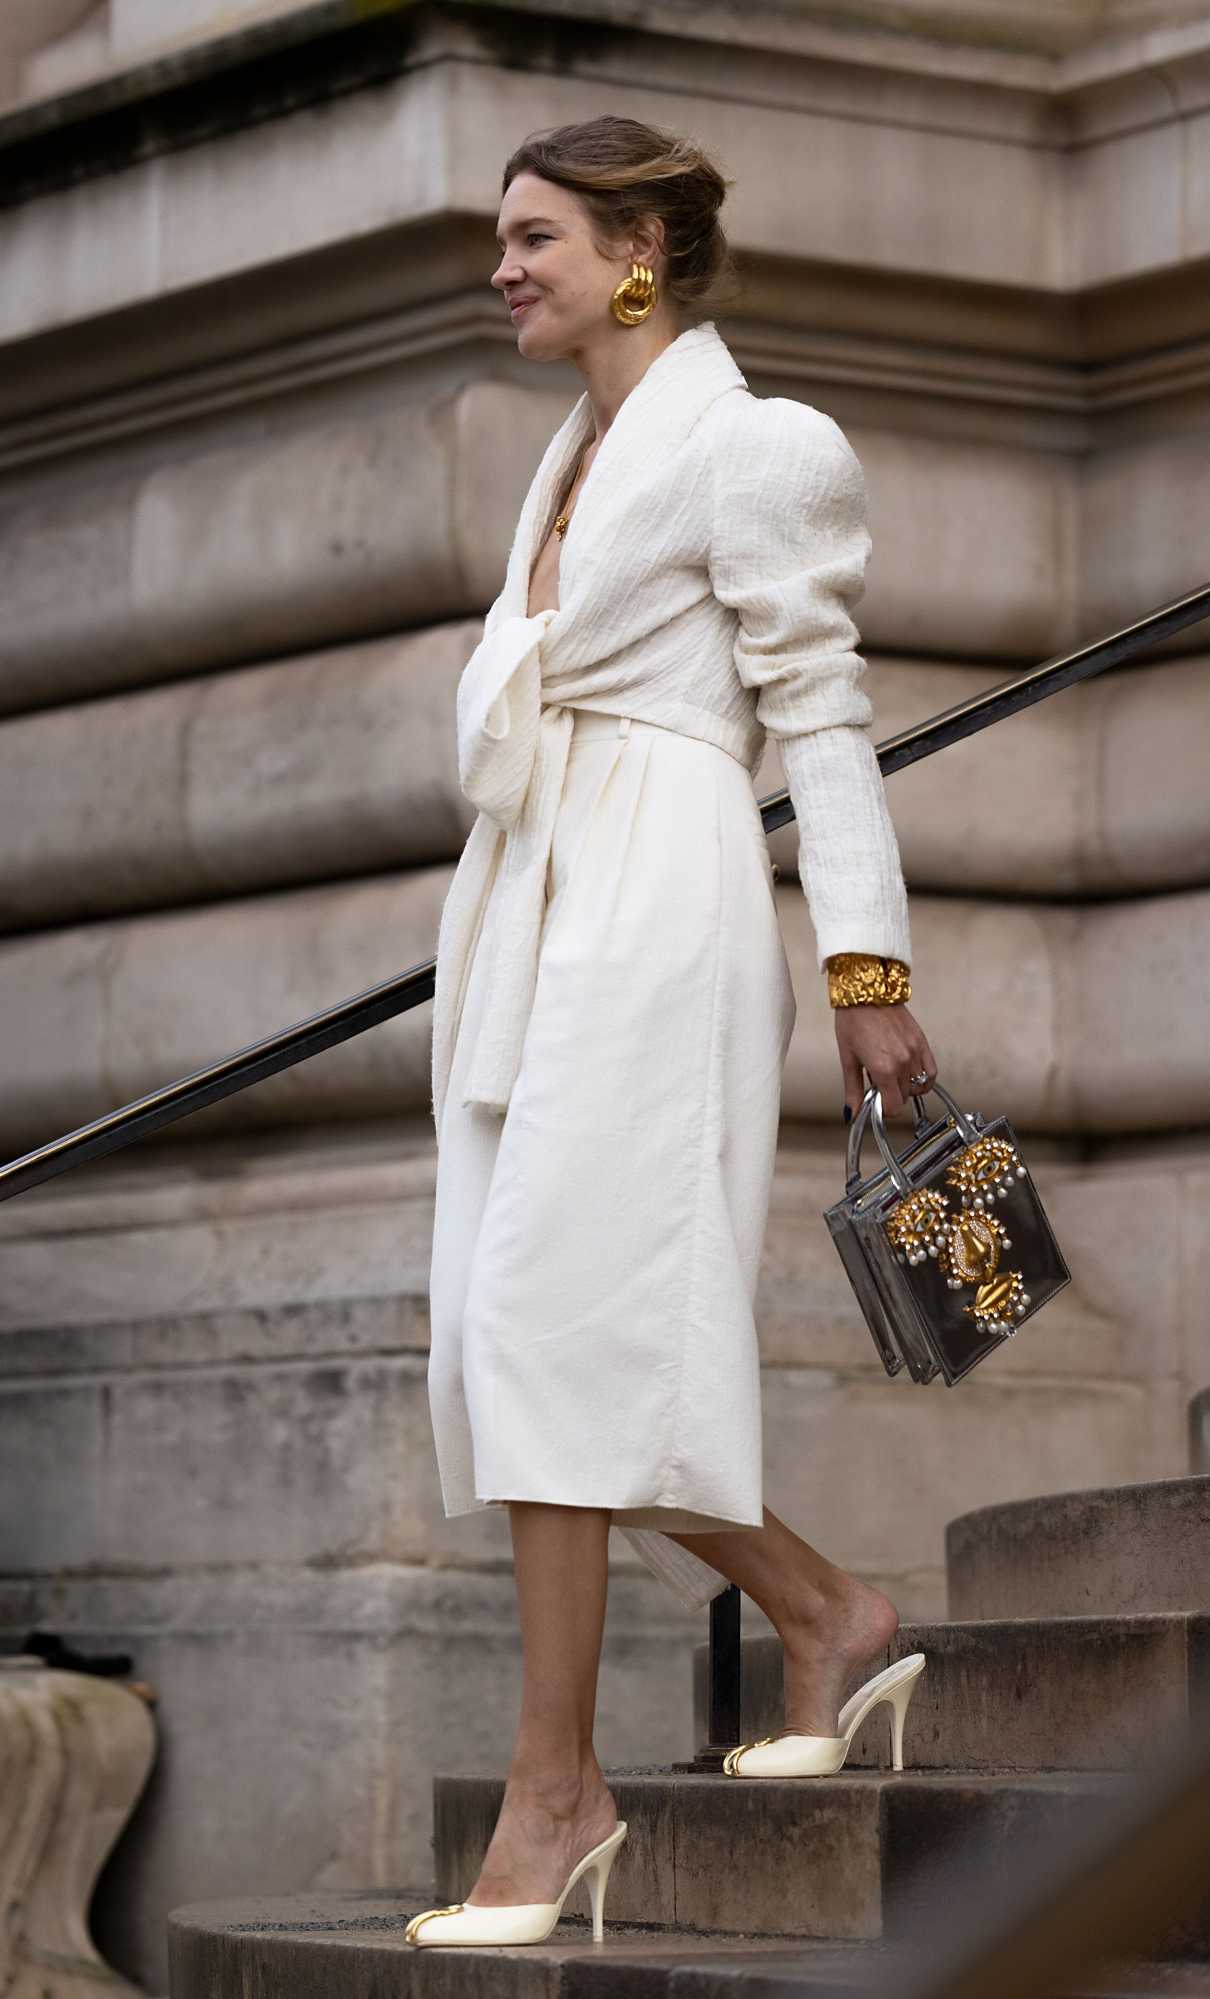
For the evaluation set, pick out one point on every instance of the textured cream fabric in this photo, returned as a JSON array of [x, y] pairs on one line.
[[596, 1249], [613, 999], [707, 579]]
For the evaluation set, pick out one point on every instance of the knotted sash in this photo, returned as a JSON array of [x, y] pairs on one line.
[[512, 757]]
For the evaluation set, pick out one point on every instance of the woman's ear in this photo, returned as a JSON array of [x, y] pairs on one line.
[[647, 241]]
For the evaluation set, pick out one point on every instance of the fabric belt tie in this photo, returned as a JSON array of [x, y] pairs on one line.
[[512, 757]]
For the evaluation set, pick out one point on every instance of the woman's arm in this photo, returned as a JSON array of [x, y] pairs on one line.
[[789, 546]]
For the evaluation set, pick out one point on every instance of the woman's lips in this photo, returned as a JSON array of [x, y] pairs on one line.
[[520, 305]]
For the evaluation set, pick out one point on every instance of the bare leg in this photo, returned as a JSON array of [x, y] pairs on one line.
[[829, 1623], [556, 1801]]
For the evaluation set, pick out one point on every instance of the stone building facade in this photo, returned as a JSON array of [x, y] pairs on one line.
[[263, 436]]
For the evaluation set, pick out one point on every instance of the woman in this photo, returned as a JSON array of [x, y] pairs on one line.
[[613, 1003]]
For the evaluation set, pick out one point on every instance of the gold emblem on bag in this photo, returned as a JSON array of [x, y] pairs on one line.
[[967, 1241]]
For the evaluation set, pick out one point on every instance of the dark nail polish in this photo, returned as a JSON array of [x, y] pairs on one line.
[[848, 1115]]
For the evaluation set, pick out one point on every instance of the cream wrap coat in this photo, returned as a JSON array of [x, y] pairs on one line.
[[613, 999], [706, 584]]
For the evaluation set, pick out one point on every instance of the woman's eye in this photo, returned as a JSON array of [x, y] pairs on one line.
[[537, 236]]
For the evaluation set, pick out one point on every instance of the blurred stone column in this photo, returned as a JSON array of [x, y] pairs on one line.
[[75, 1753]]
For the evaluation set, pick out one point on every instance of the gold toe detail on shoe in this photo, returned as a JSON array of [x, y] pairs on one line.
[[731, 1759], [451, 1909]]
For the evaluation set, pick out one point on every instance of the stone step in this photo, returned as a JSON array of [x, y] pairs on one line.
[[1113, 1551], [1013, 1694], [832, 1971], [846, 1857], [315, 1946]]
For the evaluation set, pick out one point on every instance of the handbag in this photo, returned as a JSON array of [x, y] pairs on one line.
[[947, 1245]]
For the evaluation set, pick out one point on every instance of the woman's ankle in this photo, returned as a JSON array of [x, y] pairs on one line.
[[845, 1615], [560, 1785]]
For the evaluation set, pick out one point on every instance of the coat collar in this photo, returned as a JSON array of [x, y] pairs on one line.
[[652, 421]]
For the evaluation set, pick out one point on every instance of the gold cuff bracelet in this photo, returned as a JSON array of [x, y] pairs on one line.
[[857, 978]]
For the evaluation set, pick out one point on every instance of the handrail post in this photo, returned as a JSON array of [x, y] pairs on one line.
[[723, 1670]]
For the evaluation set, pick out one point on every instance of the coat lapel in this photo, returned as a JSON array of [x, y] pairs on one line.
[[652, 421]]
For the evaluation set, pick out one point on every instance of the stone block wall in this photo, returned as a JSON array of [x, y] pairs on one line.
[[263, 436]]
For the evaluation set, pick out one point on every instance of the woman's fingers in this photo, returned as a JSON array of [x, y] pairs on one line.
[[889, 1046], [854, 1079], [893, 1096], [925, 1064]]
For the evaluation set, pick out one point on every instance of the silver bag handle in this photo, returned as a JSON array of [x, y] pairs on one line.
[[871, 1110]]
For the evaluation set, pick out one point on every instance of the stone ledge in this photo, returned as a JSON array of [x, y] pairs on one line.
[[329, 1464], [1031, 1006], [1114, 1549], [375, 523], [350, 1947], [1015, 1694], [854, 1856], [343, 1947], [343, 762]]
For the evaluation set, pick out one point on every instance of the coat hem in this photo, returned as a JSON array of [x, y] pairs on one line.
[[660, 1516]]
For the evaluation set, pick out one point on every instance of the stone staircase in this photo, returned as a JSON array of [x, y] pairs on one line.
[[1078, 1652]]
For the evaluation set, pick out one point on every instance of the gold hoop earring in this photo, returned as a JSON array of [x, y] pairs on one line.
[[635, 297]]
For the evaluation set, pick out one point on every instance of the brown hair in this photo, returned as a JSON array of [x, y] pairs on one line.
[[621, 171]]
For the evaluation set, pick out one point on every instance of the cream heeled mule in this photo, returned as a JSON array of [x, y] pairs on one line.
[[791, 1755], [521, 1922]]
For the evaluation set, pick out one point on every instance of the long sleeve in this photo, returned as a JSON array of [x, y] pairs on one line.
[[789, 546]]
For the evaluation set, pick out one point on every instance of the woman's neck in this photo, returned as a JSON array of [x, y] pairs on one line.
[[616, 362]]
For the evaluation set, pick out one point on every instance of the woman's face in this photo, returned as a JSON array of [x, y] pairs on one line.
[[554, 280]]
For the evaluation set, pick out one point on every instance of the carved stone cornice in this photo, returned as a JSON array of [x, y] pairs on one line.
[[1048, 45], [1048, 60], [1005, 358], [1000, 359]]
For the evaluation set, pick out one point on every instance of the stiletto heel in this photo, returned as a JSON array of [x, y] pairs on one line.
[[791, 1754], [899, 1701], [598, 1875], [520, 1922]]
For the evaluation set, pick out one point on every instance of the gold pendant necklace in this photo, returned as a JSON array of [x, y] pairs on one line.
[[561, 520]]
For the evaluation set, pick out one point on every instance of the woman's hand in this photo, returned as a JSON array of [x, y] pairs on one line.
[[889, 1045]]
